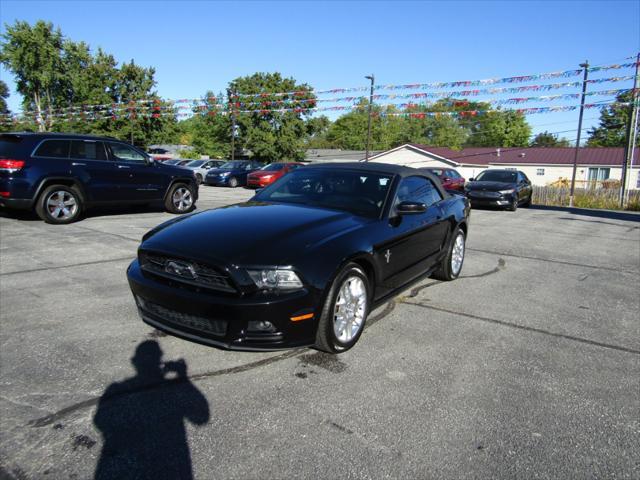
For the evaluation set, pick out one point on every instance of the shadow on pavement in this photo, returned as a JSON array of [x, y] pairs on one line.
[[143, 426], [30, 216], [589, 212]]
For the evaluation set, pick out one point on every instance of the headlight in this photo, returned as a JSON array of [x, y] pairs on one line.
[[508, 192], [225, 174], [275, 279]]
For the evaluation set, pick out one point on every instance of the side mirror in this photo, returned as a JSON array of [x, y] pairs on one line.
[[471, 179], [149, 160], [408, 208]]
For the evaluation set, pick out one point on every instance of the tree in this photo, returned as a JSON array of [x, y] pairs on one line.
[[614, 120], [208, 130], [4, 94], [34, 55], [546, 139], [67, 87], [264, 129]]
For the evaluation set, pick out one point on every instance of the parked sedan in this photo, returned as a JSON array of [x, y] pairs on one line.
[[450, 179], [304, 261], [231, 174], [201, 167], [501, 188], [270, 173]]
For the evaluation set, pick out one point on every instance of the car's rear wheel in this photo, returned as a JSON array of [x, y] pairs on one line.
[[233, 182], [59, 204], [451, 264], [180, 199], [345, 311]]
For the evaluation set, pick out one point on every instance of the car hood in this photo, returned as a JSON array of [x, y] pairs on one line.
[[490, 186], [251, 234], [175, 169]]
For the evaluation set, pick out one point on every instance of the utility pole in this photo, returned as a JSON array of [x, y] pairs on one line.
[[372, 78], [585, 66], [632, 128], [231, 95]]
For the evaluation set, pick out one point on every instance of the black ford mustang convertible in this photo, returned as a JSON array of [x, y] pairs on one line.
[[304, 261]]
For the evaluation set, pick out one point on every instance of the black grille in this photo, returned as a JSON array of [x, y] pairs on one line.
[[214, 327], [484, 194], [186, 272]]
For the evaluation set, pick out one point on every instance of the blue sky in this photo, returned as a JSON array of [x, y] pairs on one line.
[[201, 45]]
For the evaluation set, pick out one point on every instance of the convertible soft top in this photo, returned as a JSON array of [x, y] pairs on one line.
[[386, 168]]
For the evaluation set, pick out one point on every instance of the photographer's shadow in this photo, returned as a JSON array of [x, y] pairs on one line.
[[142, 420]]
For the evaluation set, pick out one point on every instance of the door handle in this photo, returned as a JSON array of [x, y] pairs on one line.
[[123, 166], [75, 164]]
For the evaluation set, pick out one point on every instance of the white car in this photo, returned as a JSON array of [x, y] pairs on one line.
[[200, 167]]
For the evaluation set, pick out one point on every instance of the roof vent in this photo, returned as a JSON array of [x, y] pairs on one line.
[[497, 152], [522, 155]]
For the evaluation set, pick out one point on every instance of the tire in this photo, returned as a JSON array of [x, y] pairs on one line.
[[233, 182], [451, 264], [180, 199], [333, 335], [59, 204], [514, 205], [198, 178]]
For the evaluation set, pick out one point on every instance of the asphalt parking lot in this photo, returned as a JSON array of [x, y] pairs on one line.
[[526, 367]]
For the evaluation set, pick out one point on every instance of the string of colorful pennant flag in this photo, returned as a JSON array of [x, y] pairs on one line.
[[404, 107]]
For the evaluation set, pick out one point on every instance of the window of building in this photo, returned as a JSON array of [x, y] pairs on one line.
[[540, 171]]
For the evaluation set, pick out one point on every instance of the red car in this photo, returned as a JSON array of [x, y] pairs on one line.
[[269, 174], [450, 179]]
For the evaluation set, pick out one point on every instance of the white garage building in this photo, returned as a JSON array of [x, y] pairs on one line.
[[543, 166]]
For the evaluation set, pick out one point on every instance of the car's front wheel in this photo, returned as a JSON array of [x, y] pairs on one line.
[[451, 265], [180, 199], [345, 311], [59, 204], [514, 205], [233, 182]]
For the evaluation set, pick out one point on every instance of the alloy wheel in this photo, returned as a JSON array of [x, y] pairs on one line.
[[61, 205], [350, 309], [457, 254], [182, 199]]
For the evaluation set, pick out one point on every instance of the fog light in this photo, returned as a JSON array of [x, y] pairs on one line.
[[261, 326]]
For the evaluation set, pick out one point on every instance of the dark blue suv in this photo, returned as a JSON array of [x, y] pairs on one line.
[[232, 173], [60, 175]]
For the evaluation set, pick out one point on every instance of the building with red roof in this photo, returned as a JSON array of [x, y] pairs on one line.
[[543, 165]]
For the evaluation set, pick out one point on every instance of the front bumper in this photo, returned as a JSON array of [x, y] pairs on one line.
[[487, 199], [222, 319]]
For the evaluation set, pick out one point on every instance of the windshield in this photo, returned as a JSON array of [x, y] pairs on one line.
[[195, 163], [359, 192], [232, 165], [497, 176], [273, 167]]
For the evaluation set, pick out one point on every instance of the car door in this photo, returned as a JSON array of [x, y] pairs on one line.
[[524, 187], [139, 179], [413, 241], [90, 163]]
